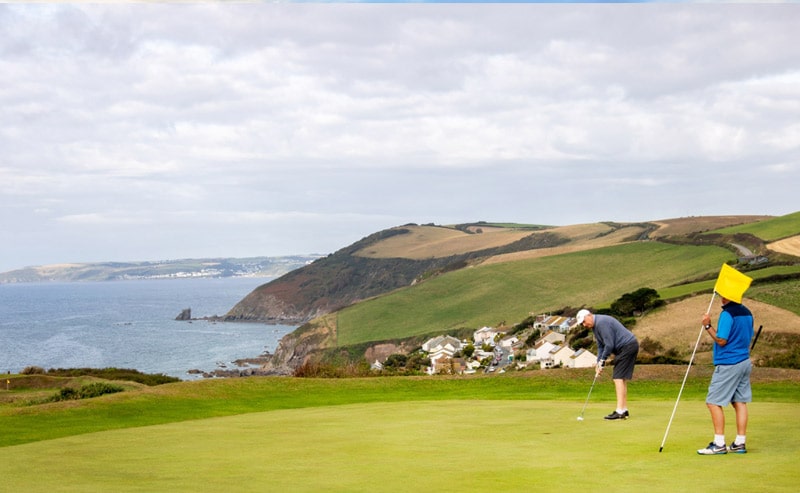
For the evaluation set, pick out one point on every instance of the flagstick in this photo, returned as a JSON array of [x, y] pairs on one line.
[[685, 376]]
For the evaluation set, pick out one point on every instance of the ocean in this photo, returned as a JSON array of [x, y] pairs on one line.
[[129, 324]]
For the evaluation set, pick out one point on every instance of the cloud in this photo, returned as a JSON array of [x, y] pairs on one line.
[[247, 126]]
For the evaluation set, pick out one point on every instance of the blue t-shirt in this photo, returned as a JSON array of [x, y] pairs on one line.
[[735, 325]]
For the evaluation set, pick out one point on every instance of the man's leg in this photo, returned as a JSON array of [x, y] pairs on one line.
[[717, 418], [741, 417], [621, 387]]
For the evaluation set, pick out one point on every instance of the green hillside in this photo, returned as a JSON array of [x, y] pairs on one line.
[[769, 229], [509, 292]]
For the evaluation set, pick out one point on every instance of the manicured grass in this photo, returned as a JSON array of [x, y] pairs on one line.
[[419, 445], [769, 229], [213, 398], [489, 295]]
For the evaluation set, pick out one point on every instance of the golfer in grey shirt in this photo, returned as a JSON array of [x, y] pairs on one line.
[[613, 338]]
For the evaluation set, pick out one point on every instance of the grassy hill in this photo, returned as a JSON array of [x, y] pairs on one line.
[[547, 270], [510, 291]]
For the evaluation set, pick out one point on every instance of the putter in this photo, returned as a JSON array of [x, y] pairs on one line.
[[755, 340], [580, 418]]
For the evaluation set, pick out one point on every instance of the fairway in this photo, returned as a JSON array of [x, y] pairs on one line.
[[452, 445]]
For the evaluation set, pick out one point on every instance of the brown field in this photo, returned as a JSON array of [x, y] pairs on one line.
[[425, 242], [431, 242], [789, 246], [678, 324], [686, 225], [584, 237]]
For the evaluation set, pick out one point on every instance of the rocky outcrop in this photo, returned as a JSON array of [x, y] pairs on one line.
[[186, 314], [296, 348]]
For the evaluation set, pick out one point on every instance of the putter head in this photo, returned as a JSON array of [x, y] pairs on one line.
[[580, 418]]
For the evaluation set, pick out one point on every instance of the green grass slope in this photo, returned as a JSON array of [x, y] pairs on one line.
[[768, 229], [489, 295]]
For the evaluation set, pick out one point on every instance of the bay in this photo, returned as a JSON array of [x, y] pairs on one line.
[[129, 324]]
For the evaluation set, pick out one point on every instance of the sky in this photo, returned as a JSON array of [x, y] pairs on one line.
[[143, 131]]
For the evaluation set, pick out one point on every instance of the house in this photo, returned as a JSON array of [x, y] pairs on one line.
[[582, 359], [509, 342], [484, 335], [448, 344], [443, 363], [377, 366], [561, 355], [540, 351], [555, 323], [554, 337]]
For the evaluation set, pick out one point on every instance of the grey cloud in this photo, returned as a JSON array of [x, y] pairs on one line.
[[152, 121]]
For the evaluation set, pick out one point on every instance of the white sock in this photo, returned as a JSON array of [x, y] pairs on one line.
[[739, 440], [719, 440], [620, 411]]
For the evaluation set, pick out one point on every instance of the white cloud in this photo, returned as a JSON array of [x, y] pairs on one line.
[[247, 126]]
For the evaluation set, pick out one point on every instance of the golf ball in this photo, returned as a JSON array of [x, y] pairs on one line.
[[580, 418]]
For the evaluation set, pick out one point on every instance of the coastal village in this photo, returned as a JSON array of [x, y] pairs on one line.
[[494, 349]]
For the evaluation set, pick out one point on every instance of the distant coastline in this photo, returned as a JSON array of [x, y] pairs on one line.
[[160, 269]]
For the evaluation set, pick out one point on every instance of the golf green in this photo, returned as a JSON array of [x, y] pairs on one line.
[[454, 445]]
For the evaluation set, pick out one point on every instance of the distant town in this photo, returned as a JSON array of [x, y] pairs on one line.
[[161, 269]]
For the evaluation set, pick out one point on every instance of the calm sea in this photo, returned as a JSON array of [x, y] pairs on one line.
[[129, 324]]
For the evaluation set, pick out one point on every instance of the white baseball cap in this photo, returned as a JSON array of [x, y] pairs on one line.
[[581, 315]]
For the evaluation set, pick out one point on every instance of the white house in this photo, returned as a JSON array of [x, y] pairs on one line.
[[540, 351], [582, 359], [555, 323], [448, 344], [484, 335], [561, 355], [509, 342], [554, 337]]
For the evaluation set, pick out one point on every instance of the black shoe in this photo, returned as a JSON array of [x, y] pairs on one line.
[[616, 415], [737, 449]]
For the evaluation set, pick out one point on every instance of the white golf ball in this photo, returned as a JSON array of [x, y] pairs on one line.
[[580, 418]]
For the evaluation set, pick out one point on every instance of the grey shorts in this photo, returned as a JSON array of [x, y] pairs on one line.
[[730, 383], [625, 360]]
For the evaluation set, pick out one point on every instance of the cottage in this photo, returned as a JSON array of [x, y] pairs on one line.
[[443, 363], [561, 355], [484, 335], [555, 323], [448, 344], [540, 351], [582, 359], [509, 342], [554, 337]]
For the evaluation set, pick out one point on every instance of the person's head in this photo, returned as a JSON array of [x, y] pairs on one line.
[[585, 318]]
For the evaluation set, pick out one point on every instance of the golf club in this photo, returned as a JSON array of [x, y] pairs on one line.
[[755, 340], [580, 418]]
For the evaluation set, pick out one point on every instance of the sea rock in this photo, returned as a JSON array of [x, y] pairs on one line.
[[186, 314]]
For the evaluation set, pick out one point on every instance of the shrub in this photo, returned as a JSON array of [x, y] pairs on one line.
[[33, 370], [126, 374], [86, 392]]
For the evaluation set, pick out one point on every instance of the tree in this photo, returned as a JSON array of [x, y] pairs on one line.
[[641, 300], [468, 350]]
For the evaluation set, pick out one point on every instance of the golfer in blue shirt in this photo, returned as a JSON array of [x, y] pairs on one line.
[[730, 383]]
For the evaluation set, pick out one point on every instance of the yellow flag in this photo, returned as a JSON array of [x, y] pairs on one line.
[[731, 283]]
